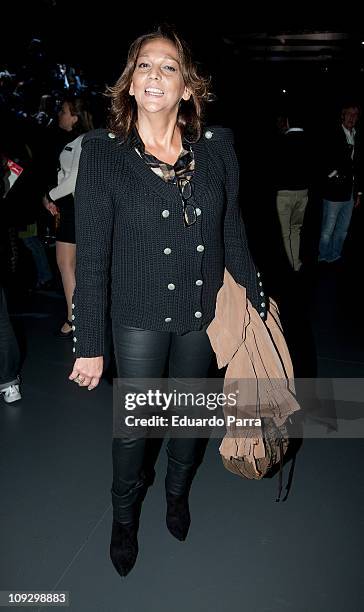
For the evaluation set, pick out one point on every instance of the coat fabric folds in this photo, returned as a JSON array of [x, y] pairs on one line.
[[259, 371]]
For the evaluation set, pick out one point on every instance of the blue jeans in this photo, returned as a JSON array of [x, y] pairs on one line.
[[40, 258], [335, 223]]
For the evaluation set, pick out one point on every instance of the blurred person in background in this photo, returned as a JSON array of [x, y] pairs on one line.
[[75, 119], [292, 178], [9, 349], [342, 183], [24, 198]]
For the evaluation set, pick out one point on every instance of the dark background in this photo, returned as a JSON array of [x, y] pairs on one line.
[[249, 73], [262, 59]]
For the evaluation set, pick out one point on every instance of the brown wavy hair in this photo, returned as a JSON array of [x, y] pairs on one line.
[[79, 107], [123, 112]]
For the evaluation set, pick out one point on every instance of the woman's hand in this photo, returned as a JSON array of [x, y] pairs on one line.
[[50, 206], [87, 371]]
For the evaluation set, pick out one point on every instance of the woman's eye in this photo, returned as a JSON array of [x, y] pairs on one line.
[[170, 68], [143, 65]]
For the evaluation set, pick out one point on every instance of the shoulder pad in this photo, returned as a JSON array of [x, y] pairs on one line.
[[216, 133], [100, 134]]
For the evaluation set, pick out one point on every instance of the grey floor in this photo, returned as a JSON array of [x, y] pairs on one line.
[[244, 551]]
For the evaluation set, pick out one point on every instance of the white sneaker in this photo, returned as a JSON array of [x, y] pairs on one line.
[[11, 394]]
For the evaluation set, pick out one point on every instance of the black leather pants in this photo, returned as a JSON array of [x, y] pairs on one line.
[[151, 354]]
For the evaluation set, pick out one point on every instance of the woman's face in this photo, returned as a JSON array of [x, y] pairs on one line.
[[66, 120], [157, 82]]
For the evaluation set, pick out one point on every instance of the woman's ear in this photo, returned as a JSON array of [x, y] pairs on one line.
[[131, 90], [186, 94]]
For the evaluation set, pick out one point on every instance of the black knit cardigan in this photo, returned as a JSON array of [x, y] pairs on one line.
[[129, 230]]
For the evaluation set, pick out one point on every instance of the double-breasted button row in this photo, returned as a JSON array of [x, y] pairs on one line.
[[199, 248]]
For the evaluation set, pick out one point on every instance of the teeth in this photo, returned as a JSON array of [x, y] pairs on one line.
[[154, 90]]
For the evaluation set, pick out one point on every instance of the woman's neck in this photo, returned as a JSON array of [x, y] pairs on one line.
[[160, 135]]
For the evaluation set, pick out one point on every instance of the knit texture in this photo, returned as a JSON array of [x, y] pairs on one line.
[[126, 218]]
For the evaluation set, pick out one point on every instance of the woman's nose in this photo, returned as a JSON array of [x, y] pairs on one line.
[[154, 73]]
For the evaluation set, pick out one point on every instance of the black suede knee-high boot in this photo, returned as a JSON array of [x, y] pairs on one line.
[[178, 483], [184, 458], [178, 516], [124, 546], [130, 487]]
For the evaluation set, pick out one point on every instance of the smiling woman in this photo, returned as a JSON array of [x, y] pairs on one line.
[[157, 214], [169, 63], [159, 88]]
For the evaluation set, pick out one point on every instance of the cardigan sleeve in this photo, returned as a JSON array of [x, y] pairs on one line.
[[238, 259], [94, 214], [68, 184]]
